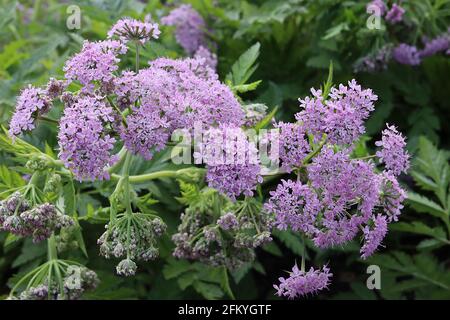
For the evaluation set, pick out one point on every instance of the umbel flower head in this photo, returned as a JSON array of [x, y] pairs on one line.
[[131, 236], [84, 144], [232, 162], [341, 117], [190, 27], [31, 103], [406, 54], [19, 217], [301, 283], [95, 64], [76, 281], [175, 94], [392, 152], [128, 29], [225, 238]]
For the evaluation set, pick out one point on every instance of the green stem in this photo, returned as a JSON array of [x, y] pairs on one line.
[[51, 248], [122, 153], [367, 157], [49, 120], [154, 175], [315, 152], [126, 180], [302, 267], [137, 56], [124, 120]]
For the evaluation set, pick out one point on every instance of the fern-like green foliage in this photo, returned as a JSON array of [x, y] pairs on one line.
[[431, 173]]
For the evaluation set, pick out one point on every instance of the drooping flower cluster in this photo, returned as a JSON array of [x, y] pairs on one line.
[[20, 218], [128, 29], [301, 283], [341, 117], [232, 162], [374, 235], [76, 282], [85, 145], [190, 27], [392, 152], [131, 236], [226, 238]]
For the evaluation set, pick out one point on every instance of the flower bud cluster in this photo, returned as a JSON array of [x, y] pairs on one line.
[[20, 218], [224, 238], [131, 237], [76, 282]]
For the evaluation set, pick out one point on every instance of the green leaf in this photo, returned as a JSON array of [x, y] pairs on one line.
[[10, 239], [272, 248], [69, 198], [240, 273], [78, 234], [244, 67], [290, 240], [267, 119], [419, 227], [208, 290], [335, 31], [423, 267], [329, 83], [175, 268], [425, 205], [242, 88], [10, 179]]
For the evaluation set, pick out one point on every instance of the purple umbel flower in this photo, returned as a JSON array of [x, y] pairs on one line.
[[31, 103], [146, 132], [373, 236], [392, 197], [84, 144], [395, 14], [378, 5], [294, 145], [341, 116], [128, 29], [406, 54], [190, 27], [393, 153], [95, 64], [295, 205], [228, 221], [436, 45], [209, 58], [233, 166], [342, 183], [300, 283]]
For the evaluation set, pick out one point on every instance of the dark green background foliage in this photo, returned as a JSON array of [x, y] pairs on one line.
[[298, 39]]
